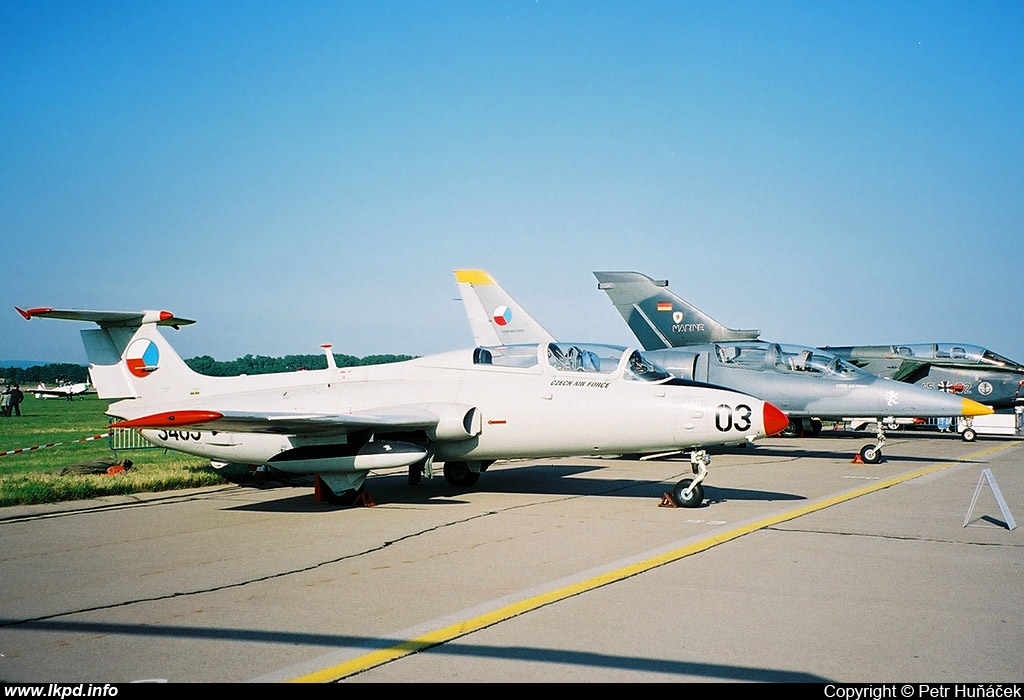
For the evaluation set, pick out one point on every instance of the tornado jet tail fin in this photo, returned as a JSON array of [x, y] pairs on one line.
[[660, 319]]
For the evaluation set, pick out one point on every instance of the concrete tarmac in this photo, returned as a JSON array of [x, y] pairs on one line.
[[800, 566]]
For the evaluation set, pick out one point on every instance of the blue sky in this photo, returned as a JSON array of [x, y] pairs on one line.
[[290, 174]]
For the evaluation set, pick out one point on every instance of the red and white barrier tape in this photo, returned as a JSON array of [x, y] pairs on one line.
[[54, 444]]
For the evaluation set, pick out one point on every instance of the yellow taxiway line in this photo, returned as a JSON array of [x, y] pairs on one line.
[[459, 629]]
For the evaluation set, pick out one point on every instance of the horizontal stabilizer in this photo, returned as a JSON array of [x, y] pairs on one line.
[[107, 319]]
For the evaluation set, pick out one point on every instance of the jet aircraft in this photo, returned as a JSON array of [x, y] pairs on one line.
[[808, 384], [465, 408], [67, 391], [661, 319], [956, 368]]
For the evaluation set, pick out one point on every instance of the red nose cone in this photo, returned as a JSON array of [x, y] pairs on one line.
[[775, 421]]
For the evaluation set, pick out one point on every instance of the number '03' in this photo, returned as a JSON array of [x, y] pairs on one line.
[[727, 417]]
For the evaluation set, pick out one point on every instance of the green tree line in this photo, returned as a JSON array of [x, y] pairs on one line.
[[261, 364], [57, 372]]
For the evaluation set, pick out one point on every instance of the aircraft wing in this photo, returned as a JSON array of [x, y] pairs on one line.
[[397, 418], [910, 371]]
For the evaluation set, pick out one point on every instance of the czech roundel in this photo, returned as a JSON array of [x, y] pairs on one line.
[[502, 315], [142, 357]]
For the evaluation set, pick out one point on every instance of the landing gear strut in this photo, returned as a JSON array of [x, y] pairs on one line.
[[688, 492], [872, 454]]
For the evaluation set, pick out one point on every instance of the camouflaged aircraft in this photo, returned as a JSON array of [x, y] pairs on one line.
[[955, 368], [465, 408], [809, 385]]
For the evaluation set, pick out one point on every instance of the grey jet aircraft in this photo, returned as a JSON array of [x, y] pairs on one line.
[[809, 385], [660, 319], [956, 368]]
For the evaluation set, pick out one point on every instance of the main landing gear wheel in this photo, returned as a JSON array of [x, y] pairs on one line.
[[459, 474], [871, 454], [687, 500]]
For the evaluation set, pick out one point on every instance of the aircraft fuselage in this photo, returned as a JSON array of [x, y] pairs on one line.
[[804, 384], [498, 412]]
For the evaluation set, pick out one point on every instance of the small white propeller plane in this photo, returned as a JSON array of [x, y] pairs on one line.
[[65, 391], [466, 408]]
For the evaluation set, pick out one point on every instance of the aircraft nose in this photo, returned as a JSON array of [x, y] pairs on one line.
[[775, 421], [970, 407]]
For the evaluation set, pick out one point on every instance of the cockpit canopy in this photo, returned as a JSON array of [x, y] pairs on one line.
[[955, 351], [783, 358], [589, 358]]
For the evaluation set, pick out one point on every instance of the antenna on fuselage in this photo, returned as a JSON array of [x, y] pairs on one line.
[[331, 364]]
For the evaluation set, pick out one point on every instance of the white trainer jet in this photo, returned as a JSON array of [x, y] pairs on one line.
[[807, 384], [466, 408]]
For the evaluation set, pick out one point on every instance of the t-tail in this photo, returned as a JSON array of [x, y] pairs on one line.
[[494, 316], [658, 318], [128, 356]]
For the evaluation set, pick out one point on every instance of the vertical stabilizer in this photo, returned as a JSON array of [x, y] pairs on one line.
[[660, 319], [128, 356], [494, 317]]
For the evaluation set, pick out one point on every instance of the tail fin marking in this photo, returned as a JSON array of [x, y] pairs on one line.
[[128, 356], [660, 319], [494, 316]]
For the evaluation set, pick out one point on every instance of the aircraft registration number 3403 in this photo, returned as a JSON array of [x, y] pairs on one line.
[[180, 435]]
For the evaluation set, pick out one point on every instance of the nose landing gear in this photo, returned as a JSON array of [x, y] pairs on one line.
[[688, 492], [872, 454]]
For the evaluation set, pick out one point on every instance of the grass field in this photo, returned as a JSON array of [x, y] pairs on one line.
[[33, 477]]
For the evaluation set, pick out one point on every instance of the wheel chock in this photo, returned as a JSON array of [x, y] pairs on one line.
[[667, 502], [857, 459], [318, 487]]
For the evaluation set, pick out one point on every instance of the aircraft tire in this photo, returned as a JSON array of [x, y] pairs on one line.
[[815, 427], [870, 454], [345, 498], [459, 474], [696, 496], [791, 430], [968, 435]]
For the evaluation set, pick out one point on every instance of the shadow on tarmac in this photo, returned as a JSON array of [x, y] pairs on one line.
[[727, 672]]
